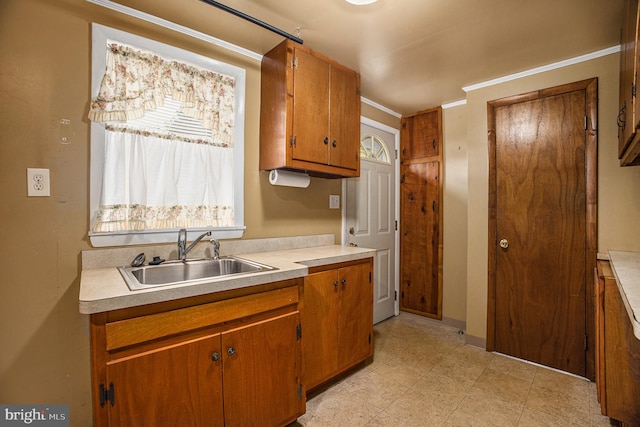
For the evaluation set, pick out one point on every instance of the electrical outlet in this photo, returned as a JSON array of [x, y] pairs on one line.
[[334, 201], [38, 182]]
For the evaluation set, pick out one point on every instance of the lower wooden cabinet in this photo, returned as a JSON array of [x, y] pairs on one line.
[[617, 352], [232, 362], [338, 320]]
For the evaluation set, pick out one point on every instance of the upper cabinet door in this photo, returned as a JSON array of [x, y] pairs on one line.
[[310, 108], [309, 113], [344, 143]]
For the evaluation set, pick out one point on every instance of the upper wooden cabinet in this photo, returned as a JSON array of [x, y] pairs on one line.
[[309, 113], [628, 115]]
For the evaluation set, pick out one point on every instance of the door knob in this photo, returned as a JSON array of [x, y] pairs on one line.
[[504, 243], [352, 231]]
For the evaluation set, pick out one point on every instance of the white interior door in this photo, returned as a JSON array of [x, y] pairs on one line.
[[371, 210]]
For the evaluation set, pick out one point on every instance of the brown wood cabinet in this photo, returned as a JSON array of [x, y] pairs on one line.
[[617, 352], [629, 116], [232, 359], [421, 213], [309, 113], [338, 320]]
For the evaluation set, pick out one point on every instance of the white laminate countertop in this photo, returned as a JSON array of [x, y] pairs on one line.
[[626, 268], [104, 289]]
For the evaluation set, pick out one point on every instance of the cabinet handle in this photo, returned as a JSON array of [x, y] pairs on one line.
[[344, 282], [326, 140], [334, 143], [215, 356], [335, 284], [231, 351]]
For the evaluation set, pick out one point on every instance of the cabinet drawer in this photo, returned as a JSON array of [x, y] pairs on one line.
[[123, 333]]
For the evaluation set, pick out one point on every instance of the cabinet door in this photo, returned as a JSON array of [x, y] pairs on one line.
[[355, 316], [344, 141], [262, 370], [627, 118], [174, 385], [320, 322], [419, 259], [310, 109], [420, 136]]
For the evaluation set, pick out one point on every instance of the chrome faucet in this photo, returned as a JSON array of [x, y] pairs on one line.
[[216, 248], [183, 249]]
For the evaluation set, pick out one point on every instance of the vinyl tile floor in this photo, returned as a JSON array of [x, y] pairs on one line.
[[423, 374]]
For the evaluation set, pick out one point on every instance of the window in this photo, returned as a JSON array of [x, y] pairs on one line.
[[167, 138], [373, 148]]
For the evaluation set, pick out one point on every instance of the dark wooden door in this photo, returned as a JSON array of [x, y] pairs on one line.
[[541, 222], [421, 217]]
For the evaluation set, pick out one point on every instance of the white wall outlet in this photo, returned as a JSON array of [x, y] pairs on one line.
[[38, 182], [334, 201]]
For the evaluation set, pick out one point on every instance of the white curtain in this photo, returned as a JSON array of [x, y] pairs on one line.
[[152, 182]]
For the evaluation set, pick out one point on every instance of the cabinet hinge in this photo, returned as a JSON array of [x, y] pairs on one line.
[[107, 395], [402, 179], [292, 141], [298, 332], [433, 206], [294, 62], [370, 277], [369, 338], [299, 391], [586, 123]]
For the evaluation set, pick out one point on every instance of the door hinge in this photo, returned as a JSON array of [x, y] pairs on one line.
[[402, 179], [396, 224], [396, 153], [395, 295], [107, 395], [586, 342], [292, 141], [298, 332]]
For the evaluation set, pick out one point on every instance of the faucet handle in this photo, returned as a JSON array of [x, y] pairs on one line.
[[216, 248]]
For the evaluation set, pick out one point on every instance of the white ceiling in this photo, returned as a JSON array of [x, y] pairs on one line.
[[414, 54]]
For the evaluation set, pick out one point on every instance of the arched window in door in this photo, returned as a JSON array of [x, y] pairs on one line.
[[373, 148]]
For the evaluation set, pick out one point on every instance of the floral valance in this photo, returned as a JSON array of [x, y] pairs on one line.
[[136, 81]]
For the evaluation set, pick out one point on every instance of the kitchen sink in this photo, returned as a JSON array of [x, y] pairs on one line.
[[177, 272]]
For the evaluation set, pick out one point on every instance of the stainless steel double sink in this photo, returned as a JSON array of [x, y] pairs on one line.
[[178, 272]]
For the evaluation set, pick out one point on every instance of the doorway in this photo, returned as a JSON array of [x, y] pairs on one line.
[[371, 209], [542, 225]]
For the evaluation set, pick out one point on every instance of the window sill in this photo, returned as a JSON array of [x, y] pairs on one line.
[[100, 240]]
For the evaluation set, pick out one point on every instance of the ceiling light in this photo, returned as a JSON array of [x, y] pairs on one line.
[[361, 2]]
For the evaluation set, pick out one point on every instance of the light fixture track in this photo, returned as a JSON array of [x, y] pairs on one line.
[[253, 20]]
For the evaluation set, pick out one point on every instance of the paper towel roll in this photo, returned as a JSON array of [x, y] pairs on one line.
[[289, 179]]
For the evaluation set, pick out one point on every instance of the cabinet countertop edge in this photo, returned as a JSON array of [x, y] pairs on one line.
[[104, 289], [626, 268]]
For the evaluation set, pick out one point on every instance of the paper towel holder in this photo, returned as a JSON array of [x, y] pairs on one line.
[[289, 178]]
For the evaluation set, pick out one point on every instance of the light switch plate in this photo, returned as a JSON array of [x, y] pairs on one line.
[[38, 182], [334, 201]]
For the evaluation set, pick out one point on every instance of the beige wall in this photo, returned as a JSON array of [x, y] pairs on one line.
[[454, 262], [45, 76], [618, 188]]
